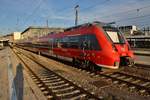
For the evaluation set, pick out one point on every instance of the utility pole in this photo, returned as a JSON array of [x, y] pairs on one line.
[[17, 24], [47, 22], [47, 27], [76, 14]]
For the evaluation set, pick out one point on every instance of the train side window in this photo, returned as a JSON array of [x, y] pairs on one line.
[[55, 43], [89, 42], [50, 43], [73, 42], [85, 42], [59, 44], [64, 42], [94, 43]]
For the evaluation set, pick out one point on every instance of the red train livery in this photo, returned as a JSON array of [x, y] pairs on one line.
[[91, 45]]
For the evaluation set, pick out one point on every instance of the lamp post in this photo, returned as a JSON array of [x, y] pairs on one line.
[[76, 14]]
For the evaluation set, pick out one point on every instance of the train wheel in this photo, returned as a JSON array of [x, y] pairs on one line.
[[73, 62], [83, 64], [76, 62], [92, 67]]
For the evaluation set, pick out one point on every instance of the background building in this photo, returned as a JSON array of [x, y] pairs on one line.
[[8, 37], [17, 35], [146, 31], [128, 30], [31, 32]]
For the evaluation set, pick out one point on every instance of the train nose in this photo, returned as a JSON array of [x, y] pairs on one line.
[[122, 50]]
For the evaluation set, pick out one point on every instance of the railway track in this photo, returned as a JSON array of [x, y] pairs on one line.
[[134, 83], [125, 80], [141, 66], [52, 85]]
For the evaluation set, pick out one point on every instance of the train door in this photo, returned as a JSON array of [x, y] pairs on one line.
[[89, 47], [85, 46]]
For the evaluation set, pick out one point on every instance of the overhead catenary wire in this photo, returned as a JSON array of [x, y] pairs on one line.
[[83, 9], [130, 18], [136, 9], [34, 11], [94, 5], [124, 12]]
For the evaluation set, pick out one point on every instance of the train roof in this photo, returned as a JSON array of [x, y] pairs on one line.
[[90, 24]]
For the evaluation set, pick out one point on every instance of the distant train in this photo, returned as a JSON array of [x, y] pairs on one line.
[[92, 45]]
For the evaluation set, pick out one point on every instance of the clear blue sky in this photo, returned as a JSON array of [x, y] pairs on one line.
[[16, 15]]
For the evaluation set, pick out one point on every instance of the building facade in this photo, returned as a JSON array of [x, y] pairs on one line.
[[17, 36], [146, 31], [32, 32], [128, 30], [8, 37]]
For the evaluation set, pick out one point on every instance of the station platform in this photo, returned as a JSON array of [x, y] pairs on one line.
[[15, 83], [142, 51], [142, 56]]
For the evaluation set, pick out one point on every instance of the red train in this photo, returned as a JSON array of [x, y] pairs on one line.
[[91, 45]]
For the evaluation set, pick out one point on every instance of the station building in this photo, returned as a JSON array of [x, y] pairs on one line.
[[6, 39], [128, 30], [32, 31], [16, 36], [146, 31]]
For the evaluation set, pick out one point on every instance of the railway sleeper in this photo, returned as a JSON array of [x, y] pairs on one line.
[[47, 74], [59, 86], [63, 89], [132, 83], [128, 79], [78, 97], [50, 81], [49, 78], [68, 93], [56, 83]]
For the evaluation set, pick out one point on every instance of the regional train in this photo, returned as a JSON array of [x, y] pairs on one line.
[[91, 45]]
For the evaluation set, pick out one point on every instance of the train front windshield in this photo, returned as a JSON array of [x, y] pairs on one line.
[[114, 34]]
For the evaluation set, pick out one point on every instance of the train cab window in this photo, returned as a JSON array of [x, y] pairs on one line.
[[113, 34]]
